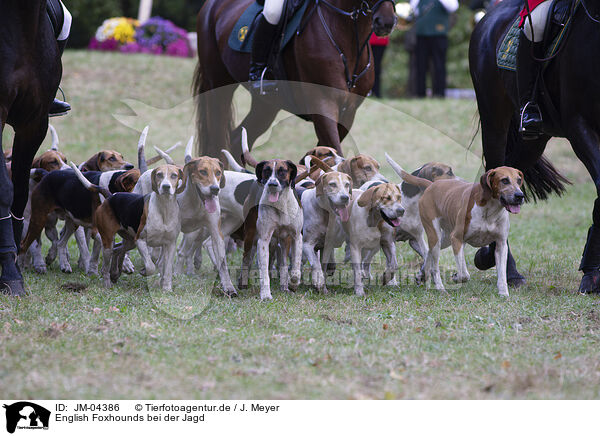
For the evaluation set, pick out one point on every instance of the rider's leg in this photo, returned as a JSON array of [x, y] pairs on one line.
[[528, 69], [264, 35], [59, 107]]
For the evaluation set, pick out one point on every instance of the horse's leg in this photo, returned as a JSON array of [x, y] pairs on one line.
[[326, 124], [257, 122], [11, 280], [584, 141]]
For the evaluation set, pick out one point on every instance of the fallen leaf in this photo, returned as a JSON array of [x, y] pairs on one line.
[[55, 329], [145, 325], [116, 351], [389, 396], [114, 309], [189, 308], [557, 356], [73, 286], [17, 321], [396, 376], [418, 329], [385, 326], [96, 310], [506, 364]]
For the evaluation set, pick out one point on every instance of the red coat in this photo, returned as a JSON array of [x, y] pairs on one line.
[[379, 40], [532, 5]]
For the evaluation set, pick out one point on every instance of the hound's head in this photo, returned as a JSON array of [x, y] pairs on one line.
[[205, 175], [51, 160], [276, 175], [167, 180], [504, 184], [361, 168], [435, 171], [385, 199], [324, 153], [109, 160], [126, 181], [337, 188]]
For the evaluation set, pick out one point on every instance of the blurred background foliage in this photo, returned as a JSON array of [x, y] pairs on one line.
[[88, 15]]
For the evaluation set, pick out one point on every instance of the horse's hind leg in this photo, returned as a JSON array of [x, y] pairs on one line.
[[11, 280], [257, 122]]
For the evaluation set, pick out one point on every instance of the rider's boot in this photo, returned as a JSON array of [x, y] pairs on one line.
[[58, 107], [590, 263], [528, 71], [264, 35]]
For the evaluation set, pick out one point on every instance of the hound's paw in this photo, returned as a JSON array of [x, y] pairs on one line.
[[128, 267], [294, 280], [231, 293], [266, 297], [40, 269], [460, 279], [66, 268]]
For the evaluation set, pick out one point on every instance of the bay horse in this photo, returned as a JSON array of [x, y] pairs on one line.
[[329, 29], [30, 72], [571, 86]]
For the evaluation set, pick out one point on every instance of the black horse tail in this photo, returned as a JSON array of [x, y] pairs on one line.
[[541, 178], [214, 117]]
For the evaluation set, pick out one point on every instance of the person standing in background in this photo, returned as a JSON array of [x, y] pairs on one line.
[[432, 26], [378, 45]]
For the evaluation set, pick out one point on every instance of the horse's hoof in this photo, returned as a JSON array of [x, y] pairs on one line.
[[484, 259], [66, 269], [516, 280], [590, 283], [14, 288], [330, 269], [40, 269], [231, 293]]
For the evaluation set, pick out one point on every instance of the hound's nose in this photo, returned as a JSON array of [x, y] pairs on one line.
[[400, 211], [165, 188], [344, 198], [273, 184], [214, 190], [519, 196], [128, 166]]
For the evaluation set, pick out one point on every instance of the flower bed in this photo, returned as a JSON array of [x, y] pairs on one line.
[[154, 36]]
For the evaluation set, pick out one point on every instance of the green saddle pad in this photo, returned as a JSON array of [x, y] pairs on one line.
[[242, 34], [507, 54]]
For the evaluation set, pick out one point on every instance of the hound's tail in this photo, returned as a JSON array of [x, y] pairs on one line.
[[160, 156], [232, 163], [89, 185], [247, 157], [54, 135], [189, 150], [408, 178], [142, 164], [318, 165]]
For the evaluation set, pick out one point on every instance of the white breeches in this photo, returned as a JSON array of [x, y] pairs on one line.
[[66, 28], [272, 10], [539, 16]]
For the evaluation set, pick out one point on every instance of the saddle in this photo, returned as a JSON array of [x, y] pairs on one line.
[[559, 21], [56, 15], [241, 36]]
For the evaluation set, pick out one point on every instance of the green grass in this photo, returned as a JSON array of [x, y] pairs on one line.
[[133, 341]]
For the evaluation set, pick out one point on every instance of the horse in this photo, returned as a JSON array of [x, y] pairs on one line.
[[331, 50], [30, 72], [570, 85]]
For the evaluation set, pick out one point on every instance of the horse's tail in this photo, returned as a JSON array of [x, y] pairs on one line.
[[214, 117], [542, 178]]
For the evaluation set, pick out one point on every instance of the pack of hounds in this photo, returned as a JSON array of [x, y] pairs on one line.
[[291, 213]]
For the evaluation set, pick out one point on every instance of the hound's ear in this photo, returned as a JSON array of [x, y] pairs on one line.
[[345, 166], [36, 163], [366, 198], [301, 161], [153, 178], [319, 186], [222, 181], [349, 179], [486, 184], [293, 172], [522, 177], [259, 171], [182, 179]]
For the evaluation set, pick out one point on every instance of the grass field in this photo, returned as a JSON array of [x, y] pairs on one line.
[[397, 343]]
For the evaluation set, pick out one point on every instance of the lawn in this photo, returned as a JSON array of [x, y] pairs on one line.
[[133, 341]]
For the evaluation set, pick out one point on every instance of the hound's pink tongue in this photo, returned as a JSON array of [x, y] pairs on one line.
[[210, 204], [273, 196], [395, 222], [344, 213], [513, 208]]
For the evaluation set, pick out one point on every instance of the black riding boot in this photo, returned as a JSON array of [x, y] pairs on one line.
[[528, 70], [590, 263], [262, 45], [58, 107]]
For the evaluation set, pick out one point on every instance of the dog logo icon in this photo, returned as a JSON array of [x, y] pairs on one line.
[[26, 415]]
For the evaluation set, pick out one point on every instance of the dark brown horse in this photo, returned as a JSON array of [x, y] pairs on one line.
[[310, 57], [30, 72]]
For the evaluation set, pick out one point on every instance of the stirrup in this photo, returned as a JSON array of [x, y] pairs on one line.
[[263, 86], [530, 134]]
